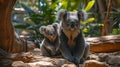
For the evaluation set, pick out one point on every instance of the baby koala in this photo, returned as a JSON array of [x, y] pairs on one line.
[[50, 44]]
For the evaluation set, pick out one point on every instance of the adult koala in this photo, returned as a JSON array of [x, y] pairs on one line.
[[72, 44]]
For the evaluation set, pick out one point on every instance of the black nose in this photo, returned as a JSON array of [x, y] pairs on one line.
[[52, 33], [72, 25]]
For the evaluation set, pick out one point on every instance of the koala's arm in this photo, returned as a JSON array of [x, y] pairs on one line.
[[64, 49], [57, 44], [80, 46], [49, 46]]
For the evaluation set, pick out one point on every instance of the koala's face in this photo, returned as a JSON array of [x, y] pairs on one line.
[[70, 20], [49, 31]]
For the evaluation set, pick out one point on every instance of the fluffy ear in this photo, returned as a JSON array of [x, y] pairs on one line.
[[61, 14], [55, 25], [82, 15], [42, 29]]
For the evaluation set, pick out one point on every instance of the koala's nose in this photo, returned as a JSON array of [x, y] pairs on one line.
[[72, 24], [52, 33]]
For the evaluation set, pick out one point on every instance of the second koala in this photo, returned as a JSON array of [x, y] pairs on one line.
[[50, 44]]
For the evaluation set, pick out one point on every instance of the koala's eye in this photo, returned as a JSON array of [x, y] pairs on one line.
[[47, 32]]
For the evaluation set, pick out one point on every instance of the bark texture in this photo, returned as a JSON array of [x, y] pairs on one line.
[[104, 44], [8, 38]]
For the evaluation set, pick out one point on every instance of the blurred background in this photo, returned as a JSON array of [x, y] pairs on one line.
[[29, 15]]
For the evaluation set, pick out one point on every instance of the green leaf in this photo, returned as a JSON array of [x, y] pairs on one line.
[[27, 9], [118, 1], [64, 4], [30, 28], [85, 30], [89, 5], [21, 26], [53, 6], [88, 20]]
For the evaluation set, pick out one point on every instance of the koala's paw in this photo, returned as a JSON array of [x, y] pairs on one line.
[[76, 60], [53, 52], [82, 61], [71, 59]]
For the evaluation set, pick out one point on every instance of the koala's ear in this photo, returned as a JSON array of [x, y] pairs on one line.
[[55, 25], [82, 15], [42, 29], [61, 14]]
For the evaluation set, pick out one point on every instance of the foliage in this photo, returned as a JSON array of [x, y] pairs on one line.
[[115, 15], [90, 5], [115, 31], [90, 26], [45, 14]]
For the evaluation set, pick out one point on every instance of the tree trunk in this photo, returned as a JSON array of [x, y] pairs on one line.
[[105, 29], [101, 8], [104, 43], [8, 40]]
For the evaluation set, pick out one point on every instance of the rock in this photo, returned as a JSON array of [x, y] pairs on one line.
[[94, 57], [59, 61], [24, 56], [20, 64], [68, 65], [94, 63], [36, 52], [5, 63], [49, 62], [41, 64], [103, 57], [116, 53], [35, 59], [115, 60]]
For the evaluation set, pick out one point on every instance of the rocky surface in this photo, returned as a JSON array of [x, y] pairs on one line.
[[34, 59]]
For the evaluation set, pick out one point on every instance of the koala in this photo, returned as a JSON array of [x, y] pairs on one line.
[[72, 44], [50, 45]]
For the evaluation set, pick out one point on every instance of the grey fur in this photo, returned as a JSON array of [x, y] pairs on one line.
[[72, 44], [49, 48]]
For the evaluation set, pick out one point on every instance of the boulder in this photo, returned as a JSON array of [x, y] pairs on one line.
[[20, 64], [94, 63], [115, 60]]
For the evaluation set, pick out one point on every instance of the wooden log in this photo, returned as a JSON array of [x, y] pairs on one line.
[[104, 44]]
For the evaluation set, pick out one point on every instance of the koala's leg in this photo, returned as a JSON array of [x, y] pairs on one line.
[[50, 48], [57, 44], [78, 53], [86, 52], [64, 49], [57, 47], [79, 48], [44, 51], [52, 52], [66, 53]]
